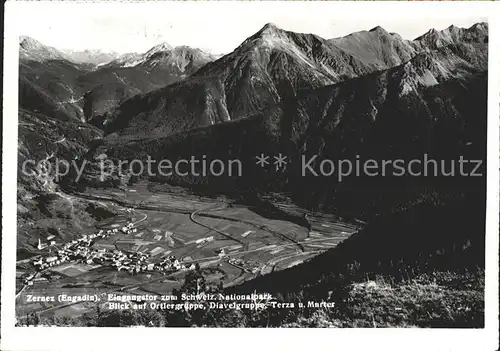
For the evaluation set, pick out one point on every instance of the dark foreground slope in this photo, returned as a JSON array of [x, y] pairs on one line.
[[420, 265]]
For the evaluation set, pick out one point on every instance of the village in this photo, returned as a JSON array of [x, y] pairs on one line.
[[81, 251], [87, 250]]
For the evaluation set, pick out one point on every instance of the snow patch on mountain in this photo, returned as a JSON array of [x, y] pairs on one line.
[[93, 57]]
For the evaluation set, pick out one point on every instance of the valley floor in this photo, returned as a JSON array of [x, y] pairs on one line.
[[230, 242]]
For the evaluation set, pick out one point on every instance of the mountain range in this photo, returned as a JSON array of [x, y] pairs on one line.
[[283, 91], [92, 57], [290, 92], [274, 65]]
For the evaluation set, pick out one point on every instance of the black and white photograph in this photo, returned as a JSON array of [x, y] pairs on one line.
[[249, 166]]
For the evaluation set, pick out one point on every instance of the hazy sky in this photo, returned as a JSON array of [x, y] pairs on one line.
[[214, 26]]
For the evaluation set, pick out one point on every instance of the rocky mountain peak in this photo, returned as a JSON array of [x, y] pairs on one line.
[[29, 43], [159, 48], [378, 29], [269, 28], [269, 33], [32, 49], [480, 26]]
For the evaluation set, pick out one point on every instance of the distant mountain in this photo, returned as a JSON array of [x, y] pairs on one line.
[[327, 113], [134, 59], [71, 85], [432, 103], [57, 97], [269, 67], [181, 59], [93, 57], [478, 33]]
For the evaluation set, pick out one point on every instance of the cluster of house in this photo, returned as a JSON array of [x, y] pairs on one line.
[[80, 250], [76, 250], [137, 262]]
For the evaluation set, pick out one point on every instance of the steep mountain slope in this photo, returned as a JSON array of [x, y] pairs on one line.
[[353, 116], [267, 68], [42, 209], [332, 113], [370, 95], [134, 59], [51, 87]]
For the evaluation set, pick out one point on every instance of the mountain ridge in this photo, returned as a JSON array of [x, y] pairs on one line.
[[266, 68]]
